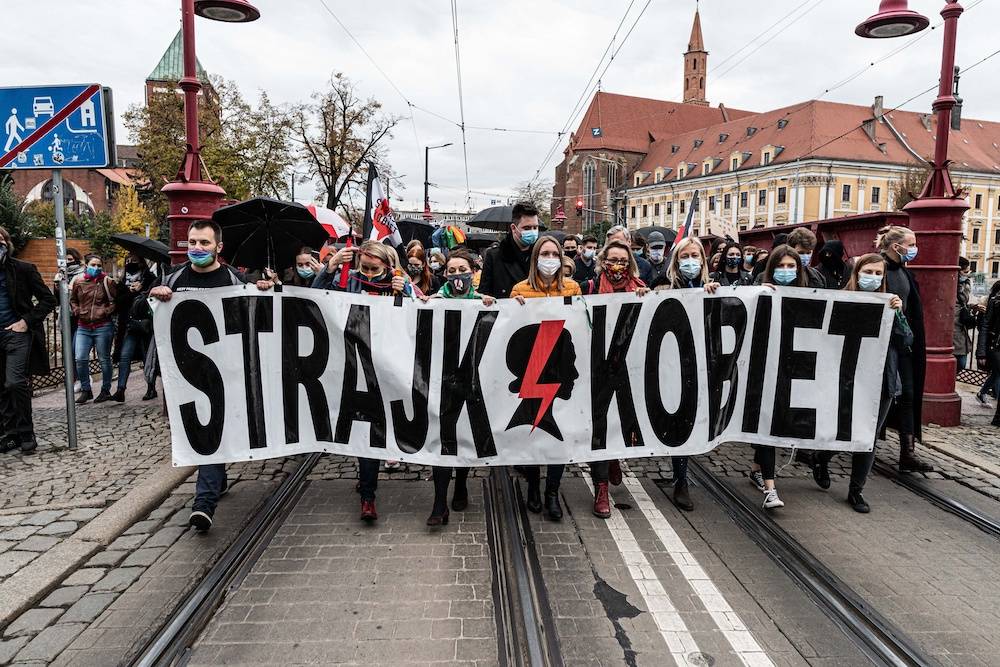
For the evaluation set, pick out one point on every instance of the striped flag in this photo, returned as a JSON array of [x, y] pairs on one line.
[[380, 223], [685, 231]]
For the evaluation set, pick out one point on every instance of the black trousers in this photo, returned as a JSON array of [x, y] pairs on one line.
[[368, 476], [764, 457], [442, 478], [553, 476], [904, 403], [861, 465], [15, 394]]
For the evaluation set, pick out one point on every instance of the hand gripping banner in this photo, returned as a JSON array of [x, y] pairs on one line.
[[251, 375]]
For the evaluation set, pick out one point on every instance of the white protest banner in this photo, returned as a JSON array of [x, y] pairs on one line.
[[252, 375]]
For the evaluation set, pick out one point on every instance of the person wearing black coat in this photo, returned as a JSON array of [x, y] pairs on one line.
[[507, 264], [135, 323], [832, 266], [731, 271], [25, 301], [988, 347], [907, 343]]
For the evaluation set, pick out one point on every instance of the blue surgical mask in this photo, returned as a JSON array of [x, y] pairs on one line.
[[93, 271], [656, 255], [784, 276], [805, 258], [529, 236], [589, 253], [869, 282], [910, 254], [690, 268], [305, 272]]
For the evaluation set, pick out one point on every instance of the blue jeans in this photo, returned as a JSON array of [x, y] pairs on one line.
[[133, 347], [961, 361], [211, 483], [83, 343]]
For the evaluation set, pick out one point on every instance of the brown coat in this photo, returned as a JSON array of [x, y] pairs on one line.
[[93, 301]]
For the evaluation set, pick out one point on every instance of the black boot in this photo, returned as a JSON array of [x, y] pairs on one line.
[[857, 501], [28, 443], [9, 443], [84, 396], [534, 501], [821, 473], [102, 397], [150, 393], [908, 459], [118, 396], [552, 507], [682, 498], [460, 499]]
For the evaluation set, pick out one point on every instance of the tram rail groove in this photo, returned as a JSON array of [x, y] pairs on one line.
[[172, 644], [947, 503], [877, 637], [526, 618]]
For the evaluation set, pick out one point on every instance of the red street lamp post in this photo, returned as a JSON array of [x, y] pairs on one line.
[[190, 196], [935, 217]]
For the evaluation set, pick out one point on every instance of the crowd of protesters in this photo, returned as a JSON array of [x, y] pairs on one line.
[[111, 318]]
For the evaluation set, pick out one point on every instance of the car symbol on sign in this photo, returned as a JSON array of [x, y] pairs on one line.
[[42, 106]]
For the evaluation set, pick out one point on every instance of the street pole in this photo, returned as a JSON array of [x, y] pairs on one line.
[[427, 196], [67, 334]]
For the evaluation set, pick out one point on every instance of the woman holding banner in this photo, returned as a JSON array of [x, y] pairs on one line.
[[378, 274], [898, 245], [868, 275], [545, 279], [688, 270], [458, 271], [618, 272]]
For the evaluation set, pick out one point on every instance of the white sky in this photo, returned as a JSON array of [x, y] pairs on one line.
[[524, 64]]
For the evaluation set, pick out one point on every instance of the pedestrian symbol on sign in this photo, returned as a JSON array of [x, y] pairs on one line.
[[13, 128]]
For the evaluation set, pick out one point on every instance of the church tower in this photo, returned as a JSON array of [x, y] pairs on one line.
[[695, 66]]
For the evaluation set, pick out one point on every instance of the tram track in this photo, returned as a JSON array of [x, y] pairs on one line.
[[877, 637], [526, 634], [925, 490]]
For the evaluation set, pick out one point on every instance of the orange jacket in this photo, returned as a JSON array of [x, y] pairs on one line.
[[524, 288]]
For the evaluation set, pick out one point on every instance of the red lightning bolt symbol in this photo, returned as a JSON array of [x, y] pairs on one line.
[[548, 333]]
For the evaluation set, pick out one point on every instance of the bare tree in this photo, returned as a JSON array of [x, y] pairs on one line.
[[339, 132], [538, 193], [911, 182]]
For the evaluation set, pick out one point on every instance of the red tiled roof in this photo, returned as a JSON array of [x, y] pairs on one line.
[[628, 122], [818, 129]]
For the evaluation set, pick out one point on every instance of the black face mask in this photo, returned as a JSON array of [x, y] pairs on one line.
[[570, 252], [132, 267], [460, 282], [414, 270]]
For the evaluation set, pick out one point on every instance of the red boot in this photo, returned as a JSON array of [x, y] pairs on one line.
[[602, 504], [615, 472], [368, 512]]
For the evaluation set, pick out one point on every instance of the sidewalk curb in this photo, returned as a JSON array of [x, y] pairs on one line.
[[42, 575], [965, 457]]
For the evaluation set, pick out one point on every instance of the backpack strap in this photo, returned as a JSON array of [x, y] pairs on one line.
[[107, 292]]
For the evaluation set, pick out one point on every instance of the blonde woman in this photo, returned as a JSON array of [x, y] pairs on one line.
[[545, 279], [687, 270]]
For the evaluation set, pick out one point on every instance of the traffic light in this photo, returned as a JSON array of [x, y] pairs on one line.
[[579, 207]]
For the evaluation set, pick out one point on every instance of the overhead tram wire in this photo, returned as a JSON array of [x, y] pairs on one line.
[[461, 102], [756, 37], [588, 88]]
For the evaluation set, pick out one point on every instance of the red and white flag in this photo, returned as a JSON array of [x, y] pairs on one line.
[[685, 230], [334, 225], [380, 222]]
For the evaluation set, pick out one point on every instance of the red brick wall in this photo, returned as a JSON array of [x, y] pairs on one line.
[[88, 180], [42, 253]]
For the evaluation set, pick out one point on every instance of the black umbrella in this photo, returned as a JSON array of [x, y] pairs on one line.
[[148, 249], [478, 242], [668, 234], [267, 233], [410, 229], [496, 218]]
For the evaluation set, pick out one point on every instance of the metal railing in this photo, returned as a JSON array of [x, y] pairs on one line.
[[53, 346]]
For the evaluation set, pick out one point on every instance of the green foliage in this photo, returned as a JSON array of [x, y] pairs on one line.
[[130, 216], [245, 149], [12, 216], [599, 229]]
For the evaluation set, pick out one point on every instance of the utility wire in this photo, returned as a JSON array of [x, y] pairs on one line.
[[461, 103], [742, 60], [756, 37]]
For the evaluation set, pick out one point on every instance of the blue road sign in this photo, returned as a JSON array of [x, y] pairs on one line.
[[56, 127]]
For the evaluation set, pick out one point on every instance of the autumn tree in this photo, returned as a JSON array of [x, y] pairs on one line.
[[538, 193], [130, 216], [338, 132], [910, 184], [246, 149]]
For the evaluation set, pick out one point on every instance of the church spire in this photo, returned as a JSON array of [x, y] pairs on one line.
[[695, 65]]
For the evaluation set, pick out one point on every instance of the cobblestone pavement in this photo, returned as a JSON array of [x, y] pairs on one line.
[[331, 590]]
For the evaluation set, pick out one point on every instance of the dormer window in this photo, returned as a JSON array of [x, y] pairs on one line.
[[698, 143], [766, 158], [674, 148], [723, 137], [682, 170], [751, 131], [706, 169], [782, 123]]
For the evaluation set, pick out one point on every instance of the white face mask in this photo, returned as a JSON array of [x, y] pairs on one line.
[[549, 265], [435, 266]]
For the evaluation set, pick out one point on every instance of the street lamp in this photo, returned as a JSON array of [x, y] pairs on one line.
[[427, 199], [189, 195], [935, 216]]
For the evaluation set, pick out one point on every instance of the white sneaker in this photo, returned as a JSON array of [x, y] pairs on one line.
[[757, 480], [772, 501], [392, 465]]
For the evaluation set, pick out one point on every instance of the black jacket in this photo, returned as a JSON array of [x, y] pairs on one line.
[[988, 344], [503, 267], [914, 310], [726, 279], [32, 300]]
